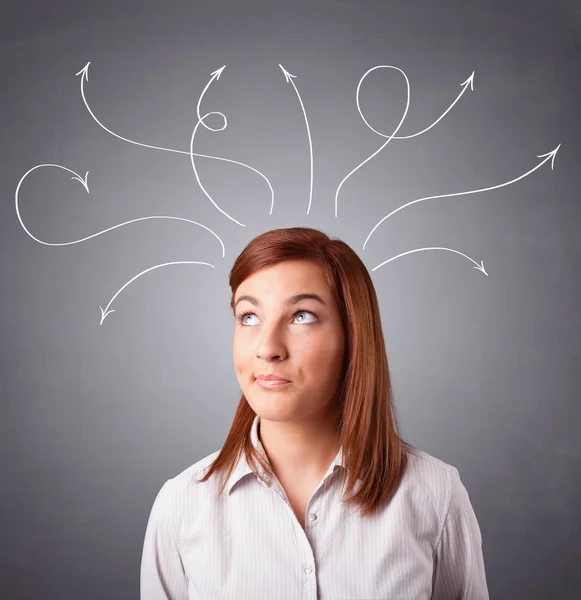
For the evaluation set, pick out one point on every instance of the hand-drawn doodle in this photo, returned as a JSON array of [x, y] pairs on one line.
[[549, 156], [83, 181], [480, 266], [389, 138], [289, 79], [84, 73], [201, 120]]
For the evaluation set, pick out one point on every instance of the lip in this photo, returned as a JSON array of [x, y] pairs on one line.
[[271, 383], [272, 378]]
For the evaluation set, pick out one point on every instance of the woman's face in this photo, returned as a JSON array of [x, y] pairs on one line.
[[306, 347]]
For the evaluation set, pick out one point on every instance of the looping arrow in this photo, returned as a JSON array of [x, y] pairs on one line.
[[464, 85], [83, 181], [84, 74], [201, 122], [215, 76], [390, 137]]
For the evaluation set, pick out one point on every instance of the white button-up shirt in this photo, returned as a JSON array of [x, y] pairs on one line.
[[247, 544]]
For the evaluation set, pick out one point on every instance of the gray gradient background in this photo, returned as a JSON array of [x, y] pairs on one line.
[[486, 370]]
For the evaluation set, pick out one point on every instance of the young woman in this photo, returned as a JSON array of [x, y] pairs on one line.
[[314, 495]]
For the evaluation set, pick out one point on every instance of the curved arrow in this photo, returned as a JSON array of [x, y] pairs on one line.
[[82, 180], [215, 75], [106, 311], [464, 85], [549, 156], [478, 266], [288, 78], [201, 122], [390, 137], [84, 73]]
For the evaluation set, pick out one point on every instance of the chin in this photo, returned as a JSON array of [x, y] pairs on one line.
[[271, 406]]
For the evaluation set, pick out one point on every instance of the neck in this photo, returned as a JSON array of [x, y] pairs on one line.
[[300, 448]]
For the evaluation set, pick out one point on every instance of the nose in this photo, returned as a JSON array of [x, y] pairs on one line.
[[271, 345]]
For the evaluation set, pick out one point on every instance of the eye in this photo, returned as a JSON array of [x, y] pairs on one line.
[[240, 318]]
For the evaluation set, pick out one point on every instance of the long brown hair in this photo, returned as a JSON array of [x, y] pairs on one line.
[[373, 450]]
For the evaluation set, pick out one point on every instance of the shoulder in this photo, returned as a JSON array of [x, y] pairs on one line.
[[441, 483], [434, 479], [183, 491], [430, 472], [187, 478]]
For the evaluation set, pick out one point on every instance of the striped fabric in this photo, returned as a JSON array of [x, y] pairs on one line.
[[248, 544]]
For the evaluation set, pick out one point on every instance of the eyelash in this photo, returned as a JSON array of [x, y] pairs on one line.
[[241, 316]]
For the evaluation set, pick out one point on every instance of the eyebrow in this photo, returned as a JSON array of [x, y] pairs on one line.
[[290, 301]]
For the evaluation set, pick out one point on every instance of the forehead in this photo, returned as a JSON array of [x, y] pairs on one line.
[[286, 278]]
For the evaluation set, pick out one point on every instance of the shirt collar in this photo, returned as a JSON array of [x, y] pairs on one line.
[[242, 469]]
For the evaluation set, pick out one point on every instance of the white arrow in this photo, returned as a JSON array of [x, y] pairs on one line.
[[479, 266], [465, 84], [192, 154], [215, 75], [82, 180], [106, 311], [389, 138], [549, 156], [289, 79], [84, 73]]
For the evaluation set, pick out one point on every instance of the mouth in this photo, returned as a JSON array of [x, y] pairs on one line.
[[272, 383], [271, 377]]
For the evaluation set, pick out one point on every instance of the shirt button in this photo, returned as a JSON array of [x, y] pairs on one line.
[[309, 569], [312, 516]]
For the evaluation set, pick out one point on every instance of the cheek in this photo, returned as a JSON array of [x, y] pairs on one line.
[[240, 354], [323, 350]]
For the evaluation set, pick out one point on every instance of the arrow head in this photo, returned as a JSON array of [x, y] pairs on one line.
[[470, 81], [481, 268], [287, 75], [550, 155], [84, 72], [104, 314], [218, 72], [83, 181]]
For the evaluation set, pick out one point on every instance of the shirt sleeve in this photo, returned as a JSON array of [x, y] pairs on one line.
[[162, 571], [459, 572]]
